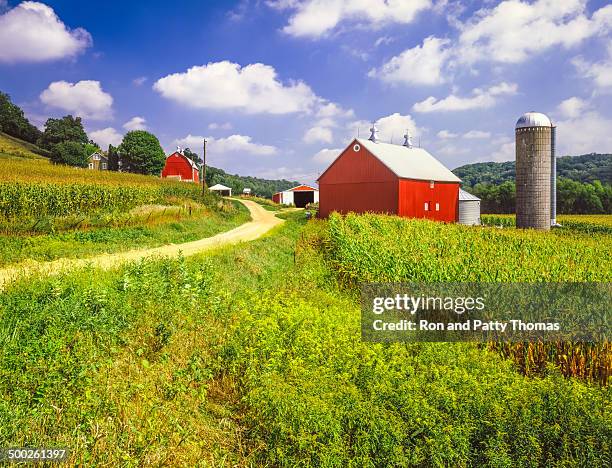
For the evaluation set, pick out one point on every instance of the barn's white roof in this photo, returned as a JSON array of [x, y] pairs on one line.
[[219, 187], [409, 163], [465, 196]]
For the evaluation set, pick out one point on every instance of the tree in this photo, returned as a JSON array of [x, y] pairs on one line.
[[141, 153], [113, 158], [68, 128], [191, 155], [14, 123], [92, 148], [71, 153]]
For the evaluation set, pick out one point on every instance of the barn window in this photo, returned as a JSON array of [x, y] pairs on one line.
[[431, 184], [91, 165], [356, 148], [104, 166], [437, 207], [426, 206]]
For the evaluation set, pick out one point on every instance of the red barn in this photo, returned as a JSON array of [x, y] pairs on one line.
[[371, 176], [178, 166]]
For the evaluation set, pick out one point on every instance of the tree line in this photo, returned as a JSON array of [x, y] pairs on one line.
[[572, 197], [65, 141]]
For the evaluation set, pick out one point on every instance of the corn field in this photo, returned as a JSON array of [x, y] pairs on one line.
[[377, 248], [37, 189]]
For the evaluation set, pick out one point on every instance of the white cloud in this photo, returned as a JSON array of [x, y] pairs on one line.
[[599, 72], [136, 123], [32, 32], [225, 85], [139, 81], [84, 98], [514, 30], [106, 136], [316, 18], [390, 128], [333, 110], [505, 152], [480, 99], [318, 135], [326, 156], [476, 135], [572, 107], [231, 144], [421, 65], [452, 150], [445, 135], [586, 133], [511, 32], [220, 126]]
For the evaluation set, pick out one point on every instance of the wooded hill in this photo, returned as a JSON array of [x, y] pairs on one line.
[[260, 187], [584, 168]]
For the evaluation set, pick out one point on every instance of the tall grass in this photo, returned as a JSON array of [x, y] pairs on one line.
[[375, 248], [253, 357]]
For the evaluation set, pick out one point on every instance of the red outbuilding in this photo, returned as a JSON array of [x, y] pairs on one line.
[[178, 166], [371, 176]]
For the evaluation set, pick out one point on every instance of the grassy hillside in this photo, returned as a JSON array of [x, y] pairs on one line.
[[585, 168], [14, 148], [49, 211], [252, 356]]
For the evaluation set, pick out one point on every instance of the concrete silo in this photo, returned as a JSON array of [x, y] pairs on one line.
[[534, 171]]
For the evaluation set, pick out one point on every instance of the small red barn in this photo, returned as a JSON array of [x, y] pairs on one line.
[[371, 176], [178, 166]]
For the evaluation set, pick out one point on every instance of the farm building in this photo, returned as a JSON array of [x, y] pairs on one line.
[[246, 191], [469, 208], [98, 162], [221, 190], [178, 166], [299, 196], [371, 176]]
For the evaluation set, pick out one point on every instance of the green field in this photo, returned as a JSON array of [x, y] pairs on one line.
[[253, 356], [14, 148], [50, 211]]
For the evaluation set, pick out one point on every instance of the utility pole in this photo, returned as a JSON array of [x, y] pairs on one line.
[[204, 167]]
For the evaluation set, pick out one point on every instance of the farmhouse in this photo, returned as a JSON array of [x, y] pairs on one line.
[[299, 196], [178, 166], [221, 190], [98, 162], [371, 176]]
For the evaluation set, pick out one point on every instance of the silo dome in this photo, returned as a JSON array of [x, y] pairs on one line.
[[533, 119]]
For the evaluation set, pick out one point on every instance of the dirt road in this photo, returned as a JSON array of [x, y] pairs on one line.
[[262, 221]]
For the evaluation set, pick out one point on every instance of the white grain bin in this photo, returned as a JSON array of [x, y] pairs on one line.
[[469, 208]]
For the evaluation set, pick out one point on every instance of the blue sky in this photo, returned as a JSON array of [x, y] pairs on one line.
[[279, 87]]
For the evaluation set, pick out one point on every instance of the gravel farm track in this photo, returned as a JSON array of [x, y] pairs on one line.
[[261, 222]]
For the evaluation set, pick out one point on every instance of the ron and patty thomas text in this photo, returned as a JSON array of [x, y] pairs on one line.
[[459, 305]]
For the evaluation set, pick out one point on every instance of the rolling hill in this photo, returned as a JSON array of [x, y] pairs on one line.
[[584, 168], [14, 148]]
